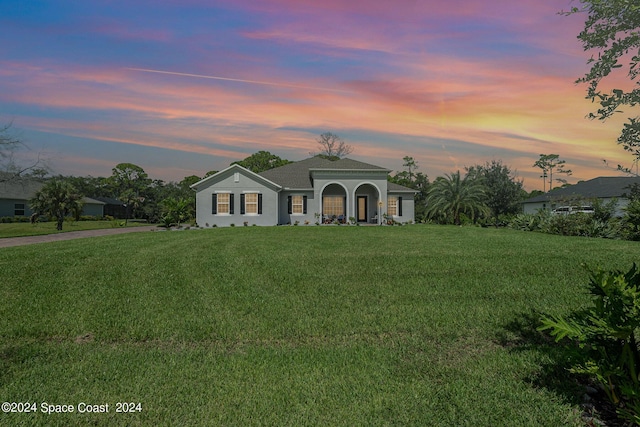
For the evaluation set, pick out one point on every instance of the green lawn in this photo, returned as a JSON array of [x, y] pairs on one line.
[[414, 325], [18, 229]]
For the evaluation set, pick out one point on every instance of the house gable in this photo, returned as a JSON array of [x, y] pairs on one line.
[[236, 196], [234, 171]]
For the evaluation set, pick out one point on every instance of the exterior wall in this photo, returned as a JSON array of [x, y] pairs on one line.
[[283, 208], [93, 209], [532, 208], [7, 207], [408, 207], [236, 182]]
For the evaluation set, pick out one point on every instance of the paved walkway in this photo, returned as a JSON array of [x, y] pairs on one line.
[[29, 240]]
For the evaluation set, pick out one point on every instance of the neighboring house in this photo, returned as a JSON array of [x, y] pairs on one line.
[[15, 196], [113, 207], [92, 207], [583, 193], [311, 190]]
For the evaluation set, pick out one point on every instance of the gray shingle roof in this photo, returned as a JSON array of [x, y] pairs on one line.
[[393, 187], [19, 189], [297, 175], [602, 187]]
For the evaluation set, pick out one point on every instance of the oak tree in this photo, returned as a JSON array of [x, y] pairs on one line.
[[612, 32]]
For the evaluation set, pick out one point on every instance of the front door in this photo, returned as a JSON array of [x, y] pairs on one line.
[[362, 209]]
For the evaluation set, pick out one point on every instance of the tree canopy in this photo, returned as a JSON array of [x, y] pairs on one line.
[[612, 30], [261, 161], [548, 163], [451, 196], [58, 199], [503, 191], [130, 183]]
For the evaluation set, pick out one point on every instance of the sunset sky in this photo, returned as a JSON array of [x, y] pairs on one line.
[[182, 87]]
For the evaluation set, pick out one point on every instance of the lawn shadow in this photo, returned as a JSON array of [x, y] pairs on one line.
[[556, 359], [521, 335]]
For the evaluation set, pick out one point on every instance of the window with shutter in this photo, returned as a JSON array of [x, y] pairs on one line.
[[223, 204], [297, 204], [392, 206], [250, 203]]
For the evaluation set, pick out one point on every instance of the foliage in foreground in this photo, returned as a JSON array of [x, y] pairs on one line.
[[606, 333]]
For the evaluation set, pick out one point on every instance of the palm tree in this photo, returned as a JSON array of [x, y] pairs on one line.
[[451, 196], [175, 211], [58, 199]]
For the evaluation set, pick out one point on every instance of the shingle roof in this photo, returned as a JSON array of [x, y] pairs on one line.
[[90, 201], [602, 187], [109, 201], [393, 187], [297, 175], [19, 189]]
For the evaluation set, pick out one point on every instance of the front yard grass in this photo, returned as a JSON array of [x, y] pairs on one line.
[[414, 325], [19, 229]]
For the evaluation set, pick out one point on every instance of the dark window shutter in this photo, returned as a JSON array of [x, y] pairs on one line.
[[344, 205], [242, 211], [231, 204], [214, 205], [259, 203], [304, 204], [289, 206], [399, 206]]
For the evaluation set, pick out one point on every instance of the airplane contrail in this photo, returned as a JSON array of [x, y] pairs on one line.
[[255, 82]]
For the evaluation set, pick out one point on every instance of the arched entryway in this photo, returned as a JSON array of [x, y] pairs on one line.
[[334, 204], [367, 198]]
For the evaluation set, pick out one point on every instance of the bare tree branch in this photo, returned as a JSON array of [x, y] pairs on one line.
[[332, 147], [10, 169]]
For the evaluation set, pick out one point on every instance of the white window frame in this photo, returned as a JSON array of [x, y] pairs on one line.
[[247, 203], [392, 206], [220, 203], [297, 203]]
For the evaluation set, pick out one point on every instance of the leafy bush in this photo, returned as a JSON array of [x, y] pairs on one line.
[[175, 211], [606, 333], [529, 222], [579, 224], [566, 225], [631, 220], [602, 211], [11, 219]]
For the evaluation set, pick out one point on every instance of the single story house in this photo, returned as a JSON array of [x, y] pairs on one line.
[[16, 193], [305, 192], [583, 193], [113, 207]]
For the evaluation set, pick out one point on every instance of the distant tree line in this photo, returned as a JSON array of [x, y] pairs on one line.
[[487, 193]]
